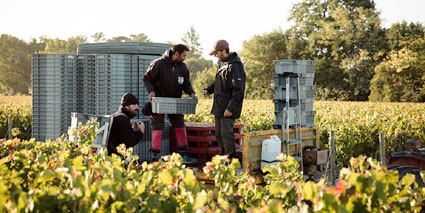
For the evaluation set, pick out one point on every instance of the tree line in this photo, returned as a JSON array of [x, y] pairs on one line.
[[356, 58]]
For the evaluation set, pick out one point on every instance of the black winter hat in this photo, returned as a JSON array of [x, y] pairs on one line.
[[128, 99]]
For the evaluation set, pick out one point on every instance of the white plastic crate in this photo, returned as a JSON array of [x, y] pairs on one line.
[[306, 118], [280, 80], [306, 92], [163, 105], [294, 66]]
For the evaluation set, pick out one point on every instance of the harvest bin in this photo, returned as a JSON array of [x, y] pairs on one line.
[[163, 105]]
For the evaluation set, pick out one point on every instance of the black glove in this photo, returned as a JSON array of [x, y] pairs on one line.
[[147, 109]]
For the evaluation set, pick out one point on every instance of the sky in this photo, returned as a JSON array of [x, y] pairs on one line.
[[166, 20]]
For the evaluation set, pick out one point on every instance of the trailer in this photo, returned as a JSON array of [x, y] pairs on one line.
[[252, 146]]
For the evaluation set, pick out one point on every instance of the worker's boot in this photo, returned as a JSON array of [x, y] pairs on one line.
[[185, 155], [156, 155], [156, 145], [182, 145]]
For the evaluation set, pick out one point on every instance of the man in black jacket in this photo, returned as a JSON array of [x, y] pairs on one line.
[[124, 130], [168, 76], [228, 89]]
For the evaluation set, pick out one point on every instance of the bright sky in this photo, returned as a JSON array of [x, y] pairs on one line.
[[165, 20]]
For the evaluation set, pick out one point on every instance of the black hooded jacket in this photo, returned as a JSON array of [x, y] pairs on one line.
[[122, 133], [228, 87], [167, 78]]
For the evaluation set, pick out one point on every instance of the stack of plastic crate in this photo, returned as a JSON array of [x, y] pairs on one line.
[[305, 71], [86, 70], [133, 48], [54, 87], [110, 82], [144, 62], [91, 82]]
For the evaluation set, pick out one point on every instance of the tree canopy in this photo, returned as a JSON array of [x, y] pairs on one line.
[[356, 58], [345, 39]]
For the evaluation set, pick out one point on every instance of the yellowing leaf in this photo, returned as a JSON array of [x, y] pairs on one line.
[[47, 175], [190, 178], [166, 177], [201, 199]]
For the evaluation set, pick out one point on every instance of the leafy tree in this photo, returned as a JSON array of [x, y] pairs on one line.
[[15, 66], [203, 79], [257, 55], [99, 37], [195, 62], [118, 39], [196, 65], [346, 35], [58, 46], [401, 76], [297, 46], [191, 40], [141, 37], [401, 35]]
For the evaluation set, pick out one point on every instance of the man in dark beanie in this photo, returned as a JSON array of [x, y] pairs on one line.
[[168, 76], [124, 130]]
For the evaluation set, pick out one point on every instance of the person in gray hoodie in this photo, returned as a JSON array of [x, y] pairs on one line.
[[228, 89]]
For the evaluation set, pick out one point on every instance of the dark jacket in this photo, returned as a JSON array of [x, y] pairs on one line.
[[122, 133], [228, 87], [167, 78]]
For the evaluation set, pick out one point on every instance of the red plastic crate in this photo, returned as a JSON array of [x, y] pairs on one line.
[[201, 138]]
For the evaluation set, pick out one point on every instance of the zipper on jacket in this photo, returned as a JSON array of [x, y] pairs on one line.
[[174, 74]]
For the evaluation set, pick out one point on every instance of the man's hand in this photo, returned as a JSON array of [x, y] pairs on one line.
[[133, 125], [227, 113], [151, 95], [193, 96], [206, 93], [141, 126]]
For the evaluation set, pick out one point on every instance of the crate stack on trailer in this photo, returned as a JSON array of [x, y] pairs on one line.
[[305, 70], [91, 82]]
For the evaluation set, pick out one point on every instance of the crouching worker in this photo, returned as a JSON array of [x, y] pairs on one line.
[[124, 130]]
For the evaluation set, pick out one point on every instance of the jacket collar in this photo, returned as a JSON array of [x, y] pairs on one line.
[[230, 59], [167, 57]]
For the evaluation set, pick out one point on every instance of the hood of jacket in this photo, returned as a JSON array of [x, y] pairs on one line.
[[167, 57], [231, 59]]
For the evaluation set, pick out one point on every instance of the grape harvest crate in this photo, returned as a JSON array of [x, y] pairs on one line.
[[163, 105], [201, 137]]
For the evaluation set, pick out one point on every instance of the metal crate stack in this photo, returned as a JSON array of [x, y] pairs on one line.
[[305, 71], [54, 88]]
